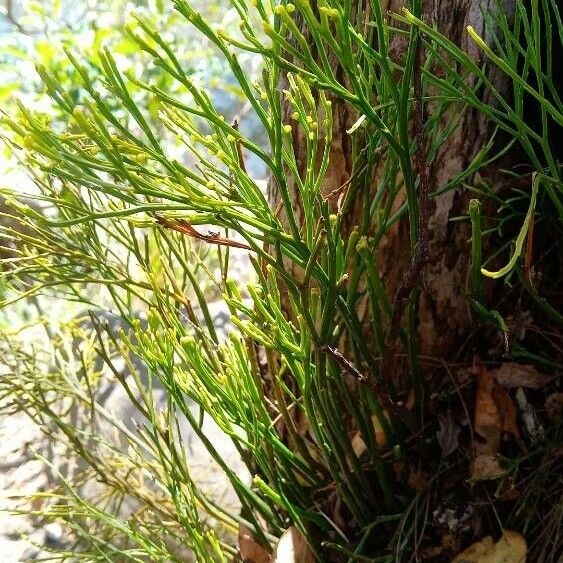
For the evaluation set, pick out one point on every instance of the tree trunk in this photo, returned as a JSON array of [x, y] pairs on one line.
[[443, 315]]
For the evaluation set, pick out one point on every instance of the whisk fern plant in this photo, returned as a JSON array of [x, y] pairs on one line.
[[321, 385]]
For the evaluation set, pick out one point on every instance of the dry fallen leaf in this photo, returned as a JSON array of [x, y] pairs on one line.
[[250, 550], [487, 416], [495, 413], [507, 411], [358, 444], [510, 548], [448, 433], [512, 374], [292, 548], [485, 467]]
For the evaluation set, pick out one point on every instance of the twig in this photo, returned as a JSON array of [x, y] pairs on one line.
[[11, 17], [380, 392], [345, 364], [185, 228]]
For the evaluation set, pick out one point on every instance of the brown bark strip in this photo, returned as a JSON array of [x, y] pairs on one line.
[[420, 254]]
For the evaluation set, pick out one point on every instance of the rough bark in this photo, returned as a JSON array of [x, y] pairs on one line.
[[443, 316]]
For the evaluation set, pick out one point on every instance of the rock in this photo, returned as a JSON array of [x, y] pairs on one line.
[[54, 536]]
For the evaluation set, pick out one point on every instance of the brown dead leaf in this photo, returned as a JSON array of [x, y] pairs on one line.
[[495, 413], [292, 548], [250, 550], [448, 433], [510, 548], [487, 417], [507, 411], [358, 444], [512, 375], [485, 467], [554, 407]]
